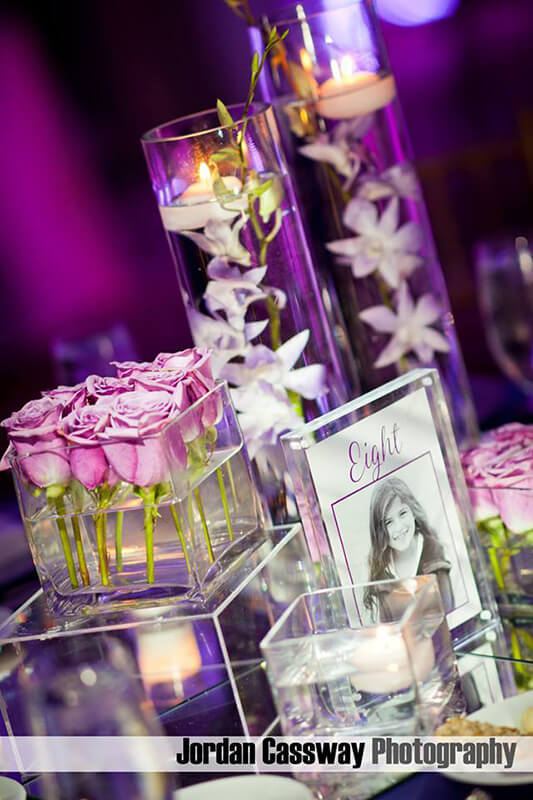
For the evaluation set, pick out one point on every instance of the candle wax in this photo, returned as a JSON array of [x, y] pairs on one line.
[[384, 666], [354, 95], [197, 204]]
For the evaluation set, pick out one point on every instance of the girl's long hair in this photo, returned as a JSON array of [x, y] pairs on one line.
[[380, 553]]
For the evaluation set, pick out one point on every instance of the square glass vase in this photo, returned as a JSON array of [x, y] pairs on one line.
[[373, 659], [193, 515]]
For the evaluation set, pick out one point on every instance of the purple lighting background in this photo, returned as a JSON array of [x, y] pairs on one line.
[[81, 243]]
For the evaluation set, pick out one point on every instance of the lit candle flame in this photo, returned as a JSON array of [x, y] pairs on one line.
[[305, 58], [204, 174], [347, 66]]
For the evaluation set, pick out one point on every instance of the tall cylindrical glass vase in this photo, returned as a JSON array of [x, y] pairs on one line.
[[248, 285], [346, 143]]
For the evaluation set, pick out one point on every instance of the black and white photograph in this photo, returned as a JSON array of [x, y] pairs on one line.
[[389, 509]]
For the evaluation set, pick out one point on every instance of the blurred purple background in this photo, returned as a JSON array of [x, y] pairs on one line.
[[81, 243]]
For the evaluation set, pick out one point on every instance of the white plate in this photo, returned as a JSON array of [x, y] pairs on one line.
[[11, 790], [245, 787], [507, 712]]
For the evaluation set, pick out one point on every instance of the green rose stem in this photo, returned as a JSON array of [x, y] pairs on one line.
[[233, 488], [101, 544], [179, 529], [55, 493], [222, 488], [79, 549], [148, 497], [495, 529], [204, 525], [119, 521]]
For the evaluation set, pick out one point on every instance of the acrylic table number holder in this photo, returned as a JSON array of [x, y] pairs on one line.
[[382, 495]]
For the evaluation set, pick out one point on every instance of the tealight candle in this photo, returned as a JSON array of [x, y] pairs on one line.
[[197, 204], [349, 94], [384, 665]]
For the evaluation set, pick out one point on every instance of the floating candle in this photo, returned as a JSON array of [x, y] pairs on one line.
[[384, 665], [197, 204], [349, 94]]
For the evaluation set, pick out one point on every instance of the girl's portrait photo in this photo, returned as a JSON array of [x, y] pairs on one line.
[[403, 543], [396, 527]]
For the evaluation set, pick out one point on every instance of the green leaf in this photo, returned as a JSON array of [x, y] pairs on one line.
[[255, 62], [270, 198], [261, 188], [226, 154], [304, 83], [224, 116]]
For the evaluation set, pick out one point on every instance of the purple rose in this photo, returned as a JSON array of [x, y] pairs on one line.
[[98, 387], [158, 380], [33, 437], [70, 397], [135, 419], [81, 427], [499, 474], [125, 368]]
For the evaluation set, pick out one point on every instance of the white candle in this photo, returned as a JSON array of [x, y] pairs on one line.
[[197, 204], [384, 666], [168, 655], [349, 94]]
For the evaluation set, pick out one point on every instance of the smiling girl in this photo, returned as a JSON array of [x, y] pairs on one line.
[[402, 542]]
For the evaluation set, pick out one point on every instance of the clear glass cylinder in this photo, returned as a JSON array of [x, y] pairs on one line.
[[174, 528], [248, 283], [346, 143]]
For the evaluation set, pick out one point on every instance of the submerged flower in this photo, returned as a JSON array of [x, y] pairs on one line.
[[338, 155], [409, 327], [221, 239], [225, 341], [265, 412], [399, 180], [231, 291], [380, 244], [276, 367]]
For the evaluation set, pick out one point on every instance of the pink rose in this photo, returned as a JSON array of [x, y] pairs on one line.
[[98, 387], [499, 474], [33, 436], [69, 396], [125, 368], [81, 427], [135, 419]]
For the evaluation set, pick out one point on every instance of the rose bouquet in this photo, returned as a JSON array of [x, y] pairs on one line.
[[148, 464], [499, 474]]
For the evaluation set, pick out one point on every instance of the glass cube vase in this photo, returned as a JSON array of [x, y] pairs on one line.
[[346, 143], [190, 514], [247, 281]]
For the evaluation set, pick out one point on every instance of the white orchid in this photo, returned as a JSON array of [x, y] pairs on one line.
[[338, 155], [218, 335], [380, 244], [221, 239], [276, 367], [232, 291], [265, 412], [409, 327], [399, 180]]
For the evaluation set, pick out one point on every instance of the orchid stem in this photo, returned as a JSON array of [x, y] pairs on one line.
[[119, 521], [79, 549], [273, 313], [222, 488], [65, 542], [204, 525], [232, 482], [179, 529], [101, 525], [148, 498]]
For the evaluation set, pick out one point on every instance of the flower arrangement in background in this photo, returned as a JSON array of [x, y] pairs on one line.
[[90, 447]]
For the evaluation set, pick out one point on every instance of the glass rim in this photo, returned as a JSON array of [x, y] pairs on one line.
[[220, 386], [150, 138], [427, 581], [287, 15]]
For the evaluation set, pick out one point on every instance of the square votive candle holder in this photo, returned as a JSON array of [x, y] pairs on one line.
[[363, 660], [194, 517]]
